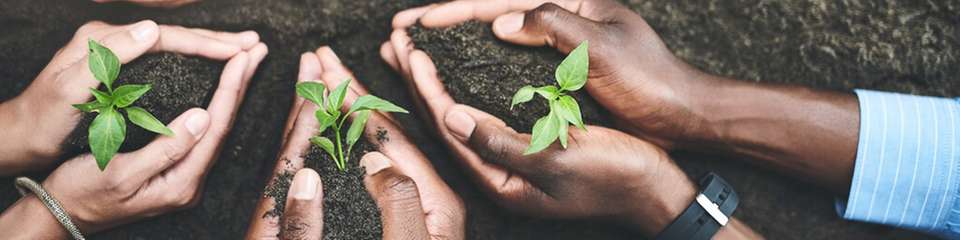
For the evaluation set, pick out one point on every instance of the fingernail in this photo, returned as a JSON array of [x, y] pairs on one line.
[[197, 123], [509, 23], [250, 38], [143, 30], [335, 57], [374, 162], [460, 124], [305, 184]]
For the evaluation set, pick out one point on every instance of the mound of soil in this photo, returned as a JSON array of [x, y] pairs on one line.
[[349, 210], [178, 84]]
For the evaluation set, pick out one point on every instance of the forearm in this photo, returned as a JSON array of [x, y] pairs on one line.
[[808, 133], [28, 218]]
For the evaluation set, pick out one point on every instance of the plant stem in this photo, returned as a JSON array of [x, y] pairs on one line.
[[340, 162]]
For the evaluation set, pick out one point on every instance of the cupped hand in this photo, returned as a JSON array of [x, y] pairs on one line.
[[627, 58], [602, 174], [415, 202], [153, 3], [41, 117], [165, 175]]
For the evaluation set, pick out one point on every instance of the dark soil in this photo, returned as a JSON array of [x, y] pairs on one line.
[[904, 46], [179, 84], [484, 72]]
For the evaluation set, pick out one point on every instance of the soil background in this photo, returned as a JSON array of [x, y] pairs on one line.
[[897, 45]]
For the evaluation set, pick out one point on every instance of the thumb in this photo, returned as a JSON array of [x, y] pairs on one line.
[[494, 141], [303, 214], [548, 24], [128, 44], [397, 196]]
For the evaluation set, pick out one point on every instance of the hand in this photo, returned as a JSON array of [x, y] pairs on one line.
[[165, 175], [627, 58], [602, 174], [66, 80], [154, 3], [414, 201]]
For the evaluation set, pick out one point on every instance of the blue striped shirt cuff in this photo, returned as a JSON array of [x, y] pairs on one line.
[[906, 173]]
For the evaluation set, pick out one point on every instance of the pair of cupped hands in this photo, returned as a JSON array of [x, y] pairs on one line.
[[624, 177]]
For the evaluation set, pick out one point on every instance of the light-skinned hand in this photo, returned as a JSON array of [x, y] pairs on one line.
[[165, 175]]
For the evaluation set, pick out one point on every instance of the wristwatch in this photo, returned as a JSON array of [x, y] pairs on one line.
[[705, 216]]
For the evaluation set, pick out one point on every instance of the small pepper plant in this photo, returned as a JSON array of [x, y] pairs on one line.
[[331, 117], [109, 128], [570, 75]]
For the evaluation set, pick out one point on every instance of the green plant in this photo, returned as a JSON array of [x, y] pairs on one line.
[[109, 128], [571, 75], [330, 117]]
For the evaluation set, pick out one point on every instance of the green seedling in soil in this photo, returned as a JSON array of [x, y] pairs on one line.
[[571, 75], [109, 128], [330, 117]]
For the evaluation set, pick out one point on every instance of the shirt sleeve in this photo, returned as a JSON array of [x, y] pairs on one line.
[[906, 171]]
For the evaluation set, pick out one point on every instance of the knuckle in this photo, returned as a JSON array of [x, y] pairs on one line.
[[400, 189], [186, 199], [171, 153], [544, 12], [294, 227]]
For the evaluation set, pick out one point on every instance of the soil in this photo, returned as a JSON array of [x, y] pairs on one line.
[[178, 84], [903, 46]]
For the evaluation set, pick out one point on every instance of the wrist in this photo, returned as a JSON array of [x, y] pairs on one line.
[[656, 208], [28, 218]]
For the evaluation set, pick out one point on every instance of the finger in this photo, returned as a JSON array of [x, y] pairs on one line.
[[402, 45], [444, 210], [77, 49], [397, 196], [548, 24], [409, 17], [303, 214], [181, 40], [291, 158], [495, 142], [127, 45], [310, 70], [246, 39], [455, 12], [429, 87], [165, 151], [389, 56], [222, 108]]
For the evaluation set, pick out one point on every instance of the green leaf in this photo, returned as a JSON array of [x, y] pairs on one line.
[[106, 134], [325, 144], [144, 119], [337, 95], [569, 110], [104, 65], [525, 94], [326, 120], [312, 91], [544, 133], [548, 92], [371, 102], [89, 107], [127, 94], [102, 97], [571, 74], [356, 129]]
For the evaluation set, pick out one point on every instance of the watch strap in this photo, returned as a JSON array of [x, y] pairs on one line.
[[709, 211]]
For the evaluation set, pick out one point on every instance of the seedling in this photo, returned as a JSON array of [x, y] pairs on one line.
[[571, 75], [109, 128], [330, 117]]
